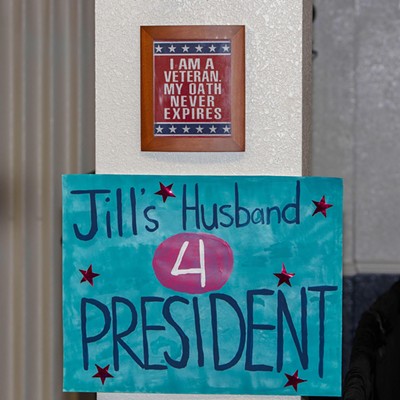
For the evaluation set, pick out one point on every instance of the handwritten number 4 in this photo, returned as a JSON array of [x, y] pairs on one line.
[[201, 270]]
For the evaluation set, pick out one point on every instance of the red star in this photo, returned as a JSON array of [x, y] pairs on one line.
[[165, 191], [88, 275], [102, 373], [321, 206], [284, 276], [294, 380]]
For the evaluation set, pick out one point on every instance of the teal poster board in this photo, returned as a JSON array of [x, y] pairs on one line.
[[202, 284]]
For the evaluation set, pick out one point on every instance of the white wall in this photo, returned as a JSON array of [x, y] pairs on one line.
[[274, 86], [278, 86]]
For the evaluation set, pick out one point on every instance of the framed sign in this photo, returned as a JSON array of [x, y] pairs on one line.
[[192, 88], [202, 284]]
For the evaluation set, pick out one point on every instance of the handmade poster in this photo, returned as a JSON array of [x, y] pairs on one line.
[[192, 88], [202, 284]]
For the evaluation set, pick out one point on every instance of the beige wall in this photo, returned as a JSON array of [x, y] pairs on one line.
[[46, 129]]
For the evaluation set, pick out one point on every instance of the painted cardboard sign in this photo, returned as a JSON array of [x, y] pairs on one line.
[[202, 284], [192, 88]]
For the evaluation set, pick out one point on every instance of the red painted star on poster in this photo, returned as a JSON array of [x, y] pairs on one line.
[[294, 380], [88, 275], [165, 191], [284, 276], [102, 373], [321, 206]]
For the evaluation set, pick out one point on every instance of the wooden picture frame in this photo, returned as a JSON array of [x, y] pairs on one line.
[[193, 88]]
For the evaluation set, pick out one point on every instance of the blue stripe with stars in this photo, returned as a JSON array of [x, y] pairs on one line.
[[192, 129], [191, 48]]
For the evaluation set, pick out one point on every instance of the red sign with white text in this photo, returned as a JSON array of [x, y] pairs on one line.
[[192, 88]]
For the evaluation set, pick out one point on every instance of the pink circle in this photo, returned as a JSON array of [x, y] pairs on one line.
[[193, 263]]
